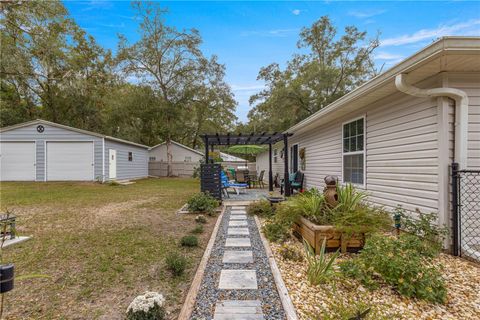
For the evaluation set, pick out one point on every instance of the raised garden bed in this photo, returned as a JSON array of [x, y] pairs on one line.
[[314, 235]]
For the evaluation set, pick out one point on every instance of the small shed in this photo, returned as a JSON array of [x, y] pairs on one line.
[[180, 153], [41, 150]]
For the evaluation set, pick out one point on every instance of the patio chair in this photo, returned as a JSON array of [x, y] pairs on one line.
[[227, 184], [296, 182], [240, 176], [258, 180], [230, 176]]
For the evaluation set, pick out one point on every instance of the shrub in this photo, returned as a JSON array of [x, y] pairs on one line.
[[176, 263], [198, 229], [202, 202], [364, 219], [200, 219], [311, 205], [148, 306], [189, 241], [290, 253], [400, 263], [426, 228], [286, 214], [260, 208], [356, 309], [275, 231], [320, 268]]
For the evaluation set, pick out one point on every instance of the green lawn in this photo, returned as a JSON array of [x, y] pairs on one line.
[[101, 245]]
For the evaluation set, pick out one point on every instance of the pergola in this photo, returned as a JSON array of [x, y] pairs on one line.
[[249, 139]]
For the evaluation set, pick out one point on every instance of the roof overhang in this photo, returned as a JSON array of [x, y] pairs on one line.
[[448, 54]]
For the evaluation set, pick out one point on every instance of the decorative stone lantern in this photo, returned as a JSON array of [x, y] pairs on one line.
[[330, 191]]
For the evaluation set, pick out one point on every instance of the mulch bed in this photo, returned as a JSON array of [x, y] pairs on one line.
[[314, 302]]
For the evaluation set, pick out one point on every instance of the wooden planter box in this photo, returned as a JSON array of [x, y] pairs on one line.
[[314, 235]]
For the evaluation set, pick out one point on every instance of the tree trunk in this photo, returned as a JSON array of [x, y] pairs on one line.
[[169, 157]]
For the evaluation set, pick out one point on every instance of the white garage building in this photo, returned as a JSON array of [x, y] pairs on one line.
[[40, 150]]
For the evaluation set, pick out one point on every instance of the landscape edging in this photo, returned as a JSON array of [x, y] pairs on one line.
[[281, 288]]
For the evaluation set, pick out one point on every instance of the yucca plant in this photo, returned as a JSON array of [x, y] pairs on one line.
[[311, 205], [320, 268], [349, 198]]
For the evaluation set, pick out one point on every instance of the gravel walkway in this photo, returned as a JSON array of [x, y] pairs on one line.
[[232, 290]]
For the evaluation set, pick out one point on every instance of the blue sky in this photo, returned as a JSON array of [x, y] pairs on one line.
[[248, 35]]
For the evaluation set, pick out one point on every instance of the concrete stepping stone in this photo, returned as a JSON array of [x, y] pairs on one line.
[[240, 223], [238, 279], [238, 231], [232, 256], [238, 207], [238, 309], [239, 217], [238, 242], [236, 213]]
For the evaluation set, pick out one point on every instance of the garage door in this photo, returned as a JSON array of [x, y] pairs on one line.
[[17, 161], [69, 161]]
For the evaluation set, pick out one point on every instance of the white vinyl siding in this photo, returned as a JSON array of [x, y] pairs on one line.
[[70, 161], [179, 154], [470, 84], [17, 161], [400, 152], [125, 169]]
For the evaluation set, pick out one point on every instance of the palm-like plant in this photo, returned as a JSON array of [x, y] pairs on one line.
[[349, 198], [310, 205], [320, 268]]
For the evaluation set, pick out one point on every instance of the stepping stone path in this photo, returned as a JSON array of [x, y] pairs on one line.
[[238, 283]]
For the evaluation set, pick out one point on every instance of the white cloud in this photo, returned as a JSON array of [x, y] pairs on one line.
[[247, 87], [464, 28], [271, 33], [112, 25], [365, 14], [388, 56], [97, 4], [296, 12]]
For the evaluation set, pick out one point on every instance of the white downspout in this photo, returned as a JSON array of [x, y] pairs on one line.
[[461, 113]]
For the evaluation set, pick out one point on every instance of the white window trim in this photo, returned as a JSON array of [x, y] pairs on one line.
[[364, 152], [275, 155]]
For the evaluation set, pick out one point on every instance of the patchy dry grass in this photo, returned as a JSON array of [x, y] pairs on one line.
[[101, 245]]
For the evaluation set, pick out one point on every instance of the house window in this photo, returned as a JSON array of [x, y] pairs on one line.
[[294, 158], [354, 151], [153, 158], [188, 159], [275, 155], [130, 156]]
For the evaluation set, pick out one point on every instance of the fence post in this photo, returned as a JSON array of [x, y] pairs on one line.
[[455, 208]]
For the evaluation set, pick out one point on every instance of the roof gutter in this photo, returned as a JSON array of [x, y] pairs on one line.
[[461, 112]]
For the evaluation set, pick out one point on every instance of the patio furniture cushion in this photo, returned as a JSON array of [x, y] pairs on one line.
[[291, 176]]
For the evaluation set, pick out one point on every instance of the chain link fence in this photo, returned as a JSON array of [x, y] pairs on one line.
[[466, 212]]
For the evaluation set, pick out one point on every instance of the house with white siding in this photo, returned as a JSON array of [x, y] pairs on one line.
[[41, 150], [397, 134]]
